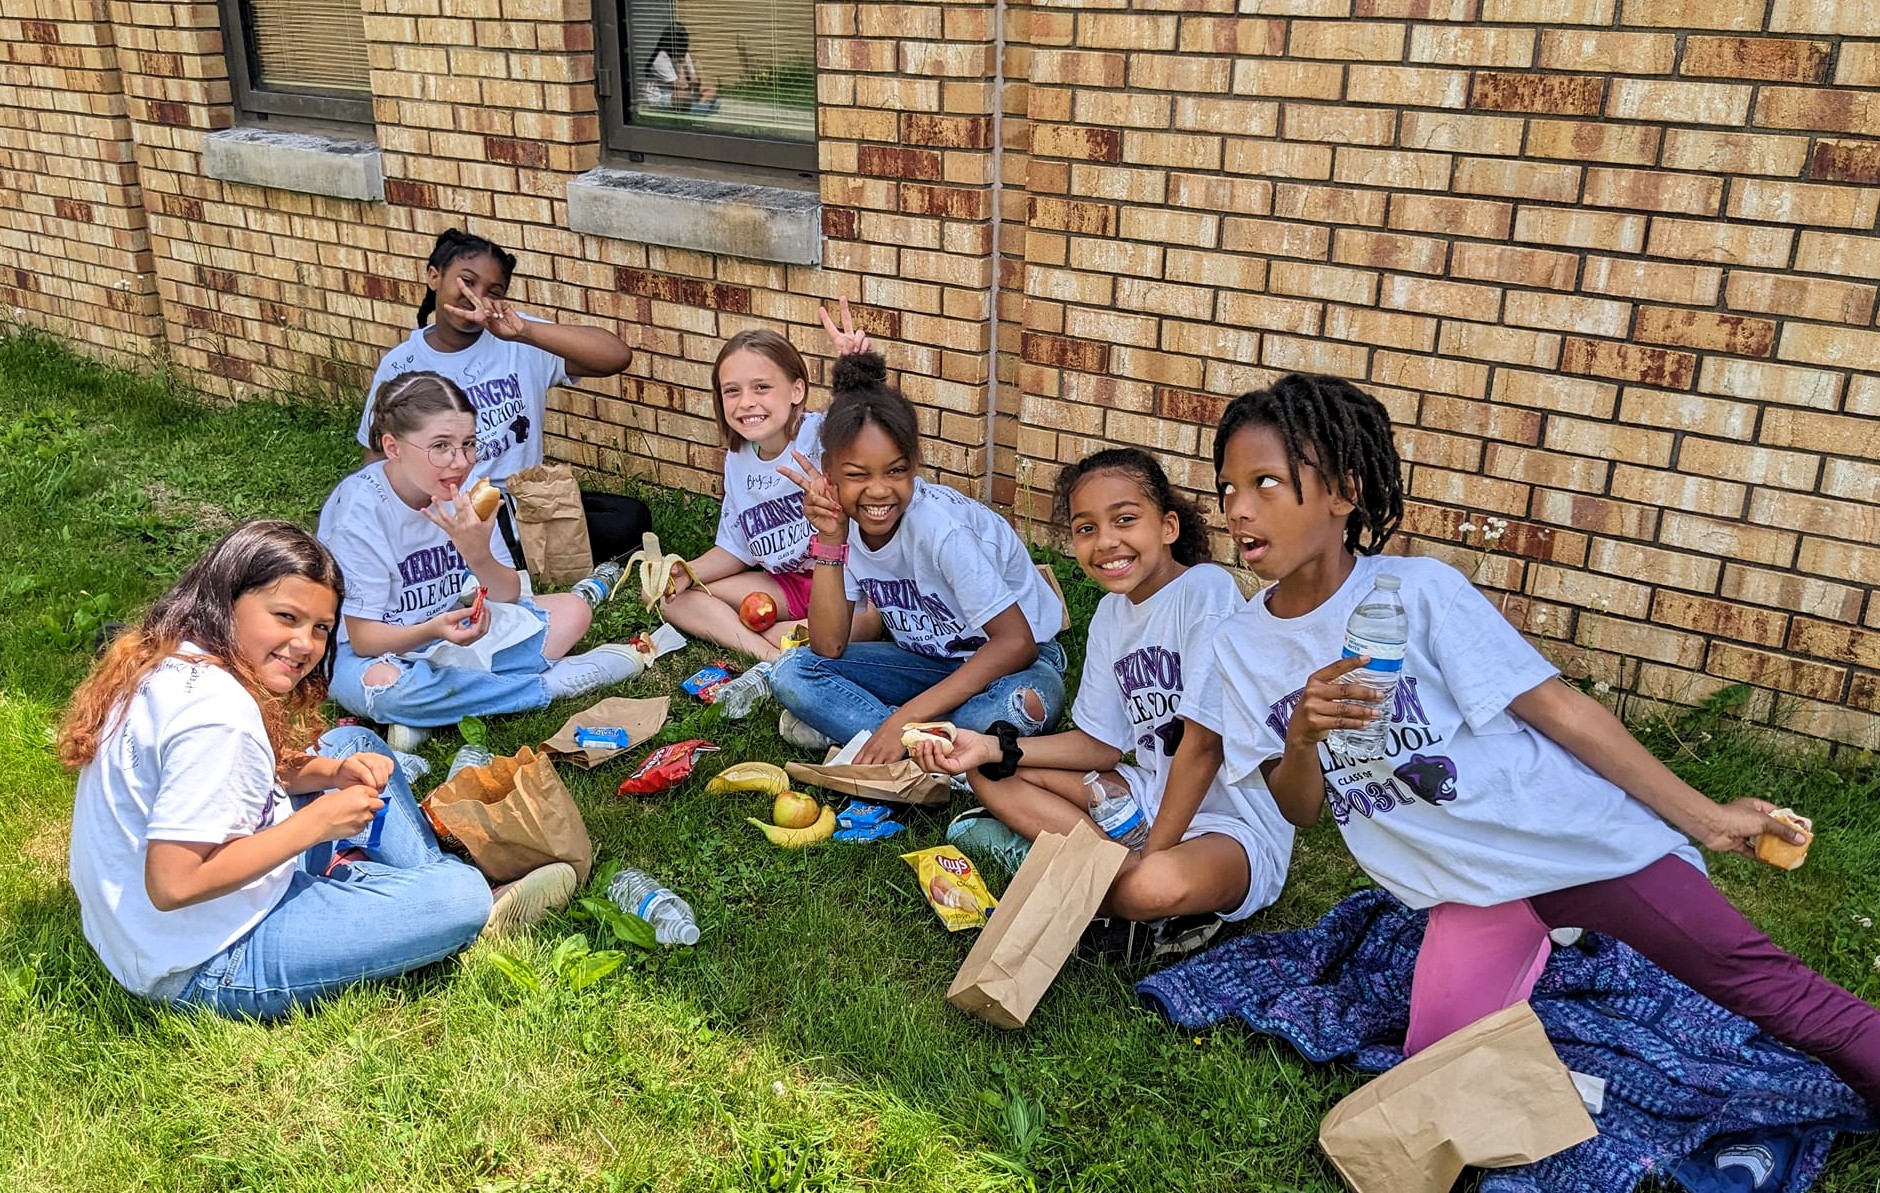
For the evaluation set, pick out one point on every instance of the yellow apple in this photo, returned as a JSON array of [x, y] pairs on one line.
[[793, 809]]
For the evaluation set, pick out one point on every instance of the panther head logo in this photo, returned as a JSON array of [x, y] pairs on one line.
[[1431, 779]]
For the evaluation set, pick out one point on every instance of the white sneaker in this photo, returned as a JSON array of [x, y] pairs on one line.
[[800, 733], [601, 667], [526, 900], [406, 739]]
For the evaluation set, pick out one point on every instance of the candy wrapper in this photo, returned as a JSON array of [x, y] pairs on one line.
[[665, 767], [705, 682], [952, 887]]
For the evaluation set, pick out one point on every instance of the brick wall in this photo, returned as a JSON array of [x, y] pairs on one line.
[[1612, 264], [74, 246]]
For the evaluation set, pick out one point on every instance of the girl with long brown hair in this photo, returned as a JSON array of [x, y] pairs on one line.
[[199, 880]]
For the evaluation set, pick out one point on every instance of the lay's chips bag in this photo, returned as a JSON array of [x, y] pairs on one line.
[[952, 886]]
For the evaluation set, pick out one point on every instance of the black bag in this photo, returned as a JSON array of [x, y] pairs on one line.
[[615, 524]]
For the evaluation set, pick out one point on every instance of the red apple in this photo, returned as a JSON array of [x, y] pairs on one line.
[[758, 612]]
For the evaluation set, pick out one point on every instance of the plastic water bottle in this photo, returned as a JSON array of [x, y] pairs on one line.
[[467, 757], [638, 892], [737, 698], [1379, 629], [599, 584], [1115, 810]]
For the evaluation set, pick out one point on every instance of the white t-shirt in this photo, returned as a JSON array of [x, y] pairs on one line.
[[762, 520], [187, 760], [952, 566], [661, 76], [1149, 665], [506, 381], [1471, 804], [400, 568]]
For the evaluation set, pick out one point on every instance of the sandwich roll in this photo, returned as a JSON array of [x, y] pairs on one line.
[[484, 498], [1785, 855], [915, 732]]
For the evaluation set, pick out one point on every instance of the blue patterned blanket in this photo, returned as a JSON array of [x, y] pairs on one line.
[[1693, 1092]]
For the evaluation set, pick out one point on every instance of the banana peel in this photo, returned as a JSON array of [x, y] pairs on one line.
[[796, 838], [766, 777], [655, 565]]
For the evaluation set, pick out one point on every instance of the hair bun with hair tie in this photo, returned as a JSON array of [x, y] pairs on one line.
[[859, 370]]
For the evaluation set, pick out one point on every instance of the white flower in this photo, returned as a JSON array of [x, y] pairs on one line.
[[1864, 921], [1540, 618], [776, 1087], [1601, 688], [1876, 962], [1467, 528]]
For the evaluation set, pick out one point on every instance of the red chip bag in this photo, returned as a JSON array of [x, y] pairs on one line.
[[665, 767]]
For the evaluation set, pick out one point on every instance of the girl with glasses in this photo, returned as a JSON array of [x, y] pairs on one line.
[[414, 648]]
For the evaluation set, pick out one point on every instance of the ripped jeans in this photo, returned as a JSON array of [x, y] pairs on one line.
[[841, 697], [426, 694]]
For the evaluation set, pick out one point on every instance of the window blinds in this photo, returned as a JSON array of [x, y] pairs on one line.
[[752, 72], [308, 45]]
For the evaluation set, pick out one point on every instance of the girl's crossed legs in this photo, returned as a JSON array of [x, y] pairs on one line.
[[408, 904]]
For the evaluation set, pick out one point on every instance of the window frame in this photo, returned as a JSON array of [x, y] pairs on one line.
[[613, 86], [264, 102]]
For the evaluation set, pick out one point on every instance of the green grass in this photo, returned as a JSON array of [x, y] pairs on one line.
[[804, 1044]]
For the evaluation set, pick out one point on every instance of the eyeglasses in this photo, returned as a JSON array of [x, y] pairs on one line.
[[442, 454]]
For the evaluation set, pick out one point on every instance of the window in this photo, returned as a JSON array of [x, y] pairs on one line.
[[298, 58], [717, 80]]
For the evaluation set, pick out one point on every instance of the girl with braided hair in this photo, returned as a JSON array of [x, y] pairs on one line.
[[1507, 803], [414, 648], [505, 362]]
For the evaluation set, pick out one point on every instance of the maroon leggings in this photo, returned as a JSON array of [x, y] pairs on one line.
[[1671, 914]]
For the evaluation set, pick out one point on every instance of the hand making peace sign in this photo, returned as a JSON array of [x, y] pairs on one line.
[[846, 340], [820, 507], [494, 315]]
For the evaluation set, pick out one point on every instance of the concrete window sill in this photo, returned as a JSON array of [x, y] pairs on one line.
[[290, 161], [706, 215]]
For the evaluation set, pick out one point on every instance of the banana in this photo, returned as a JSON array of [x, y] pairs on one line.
[[749, 776], [656, 569], [796, 838]]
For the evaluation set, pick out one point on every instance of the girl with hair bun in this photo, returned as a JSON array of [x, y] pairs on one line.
[[973, 624]]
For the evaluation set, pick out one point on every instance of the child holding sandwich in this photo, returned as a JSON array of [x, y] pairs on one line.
[[1506, 802]]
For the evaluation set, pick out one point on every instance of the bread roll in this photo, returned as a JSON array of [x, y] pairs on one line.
[[1782, 854], [915, 732], [484, 498]]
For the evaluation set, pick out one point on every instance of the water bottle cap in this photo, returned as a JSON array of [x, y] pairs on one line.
[[687, 934], [1387, 581]]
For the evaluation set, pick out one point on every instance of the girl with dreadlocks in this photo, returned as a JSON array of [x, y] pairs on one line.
[[1508, 803], [505, 362]]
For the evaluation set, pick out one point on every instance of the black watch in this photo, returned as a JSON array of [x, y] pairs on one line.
[[1007, 765]]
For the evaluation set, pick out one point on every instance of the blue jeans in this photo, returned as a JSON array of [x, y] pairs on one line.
[[841, 697], [426, 694], [407, 905]]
